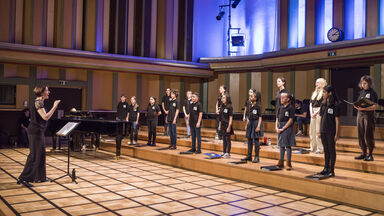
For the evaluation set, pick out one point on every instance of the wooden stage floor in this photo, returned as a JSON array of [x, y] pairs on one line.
[[132, 186]]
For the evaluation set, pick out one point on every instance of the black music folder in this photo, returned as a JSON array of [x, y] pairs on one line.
[[364, 103], [317, 177], [270, 168]]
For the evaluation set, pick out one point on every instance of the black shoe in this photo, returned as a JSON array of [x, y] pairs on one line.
[[368, 158], [360, 157], [191, 150], [325, 171], [172, 147], [198, 152], [153, 144], [247, 158], [256, 160], [329, 174], [19, 181], [148, 144]]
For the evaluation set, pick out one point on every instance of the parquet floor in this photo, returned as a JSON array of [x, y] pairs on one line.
[[131, 186]]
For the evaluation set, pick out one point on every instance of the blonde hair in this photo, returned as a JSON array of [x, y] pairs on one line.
[[136, 105], [319, 91]]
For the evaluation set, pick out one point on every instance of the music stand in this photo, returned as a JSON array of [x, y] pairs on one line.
[[64, 132]]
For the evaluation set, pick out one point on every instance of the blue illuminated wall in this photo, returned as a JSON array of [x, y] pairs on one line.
[[256, 18], [354, 19], [296, 23], [381, 17]]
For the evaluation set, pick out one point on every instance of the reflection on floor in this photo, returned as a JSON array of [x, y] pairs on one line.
[[136, 187]]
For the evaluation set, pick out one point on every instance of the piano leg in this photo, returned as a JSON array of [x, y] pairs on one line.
[[118, 146]]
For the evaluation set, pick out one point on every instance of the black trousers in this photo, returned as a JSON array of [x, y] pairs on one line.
[[366, 131], [250, 145], [152, 130], [227, 143], [328, 141]]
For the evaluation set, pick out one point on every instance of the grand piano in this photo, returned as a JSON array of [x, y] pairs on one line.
[[96, 127]]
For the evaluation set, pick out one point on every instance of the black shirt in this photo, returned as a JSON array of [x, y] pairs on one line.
[[285, 113], [302, 109], [166, 99], [153, 111], [37, 124], [24, 120], [369, 94], [247, 104], [225, 112], [187, 103], [219, 102], [328, 118], [133, 112], [278, 98], [173, 106], [122, 110], [196, 109], [254, 112]]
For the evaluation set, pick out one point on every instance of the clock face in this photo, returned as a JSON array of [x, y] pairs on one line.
[[334, 34]]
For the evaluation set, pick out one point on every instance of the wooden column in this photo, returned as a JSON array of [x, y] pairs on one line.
[[372, 24], [338, 14], [284, 24], [310, 22]]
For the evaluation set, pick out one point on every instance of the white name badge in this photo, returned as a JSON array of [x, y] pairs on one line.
[[170, 99], [254, 112], [174, 104], [153, 108], [225, 110], [135, 110], [330, 111], [368, 96], [124, 106], [286, 114], [195, 108]]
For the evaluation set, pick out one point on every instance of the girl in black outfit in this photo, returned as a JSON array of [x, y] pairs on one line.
[[34, 169], [165, 106], [133, 118], [254, 126], [329, 129], [222, 91], [225, 124], [366, 119], [153, 111], [122, 112], [284, 128]]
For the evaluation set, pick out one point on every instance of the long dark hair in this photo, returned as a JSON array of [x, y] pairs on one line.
[[154, 98], [228, 98], [333, 99], [257, 94], [225, 89]]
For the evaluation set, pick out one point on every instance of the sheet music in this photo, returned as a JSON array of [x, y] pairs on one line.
[[348, 102], [67, 128]]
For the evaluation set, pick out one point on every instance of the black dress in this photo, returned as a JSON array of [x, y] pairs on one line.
[[34, 169]]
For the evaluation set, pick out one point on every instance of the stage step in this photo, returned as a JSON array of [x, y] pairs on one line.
[[344, 144], [344, 160], [365, 190], [345, 131]]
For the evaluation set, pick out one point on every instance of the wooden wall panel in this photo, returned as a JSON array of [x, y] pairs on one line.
[[90, 25], [372, 24], [213, 86], [160, 42], [78, 40], [28, 22], [126, 84], [19, 21], [38, 22], [76, 74], [284, 24], [304, 84], [243, 91], [310, 22], [235, 92], [13, 70], [22, 94], [338, 13], [102, 90], [264, 90], [5, 15], [51, 73], [382, 80], [68, 15], [50, 23], [106, 16]]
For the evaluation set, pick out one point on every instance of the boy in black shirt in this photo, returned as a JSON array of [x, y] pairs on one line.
[[165, 106], [301, 116], [172, 115], [186, 105], [329, 129], [153, 111], [195, 116], [284, 128], [24, 123], [366, 119], [133, 118], [122, 112]]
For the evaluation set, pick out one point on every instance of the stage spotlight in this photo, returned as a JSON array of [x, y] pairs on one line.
[[235, 3], [220, 15]]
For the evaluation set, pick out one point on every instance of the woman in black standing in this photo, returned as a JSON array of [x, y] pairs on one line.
[[280, 83], [222, 91], [34, 169], [153, 112], [329, 129], [133, 118], [366, 119]]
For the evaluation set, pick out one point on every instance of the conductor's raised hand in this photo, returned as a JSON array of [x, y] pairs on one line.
[[56, 103]]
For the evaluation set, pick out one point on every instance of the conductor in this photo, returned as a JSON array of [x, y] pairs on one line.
[[34, 169]]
